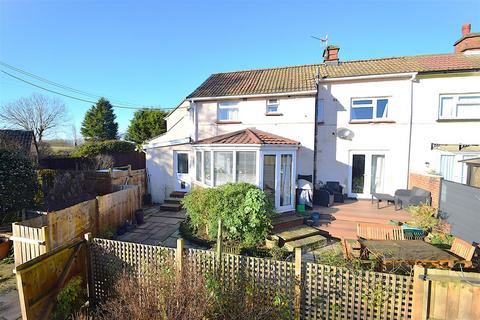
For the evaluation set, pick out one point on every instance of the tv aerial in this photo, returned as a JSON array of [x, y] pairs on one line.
[[323, 41]]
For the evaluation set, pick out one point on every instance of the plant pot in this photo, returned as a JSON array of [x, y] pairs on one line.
[[5, 245], [139, 216], [271, 242]]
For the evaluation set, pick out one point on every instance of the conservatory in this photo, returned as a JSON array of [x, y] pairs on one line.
[[253, 156]]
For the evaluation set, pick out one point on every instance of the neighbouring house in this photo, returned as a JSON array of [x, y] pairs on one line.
[[364, 123], [473, 172], [19, 140]]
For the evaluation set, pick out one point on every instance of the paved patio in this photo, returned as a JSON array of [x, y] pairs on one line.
[[340, 221], [160, 228]]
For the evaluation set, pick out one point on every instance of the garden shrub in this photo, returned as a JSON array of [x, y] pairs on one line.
[[93, 148], [70, 299], [18, 184], [245, 211], [424, 217]]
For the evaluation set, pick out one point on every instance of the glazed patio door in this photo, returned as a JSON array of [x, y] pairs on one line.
[[367, 173], [181, 167], [278, 179]]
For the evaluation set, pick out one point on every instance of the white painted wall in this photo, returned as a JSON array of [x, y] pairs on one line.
[[297, 123], [333, 159], [427, 130]]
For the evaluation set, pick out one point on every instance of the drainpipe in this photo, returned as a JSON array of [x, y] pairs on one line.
[[412, 81], [317, 85], [193, 106]]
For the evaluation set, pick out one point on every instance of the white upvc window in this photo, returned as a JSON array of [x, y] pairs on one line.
[[227, 111], [459, 106], [272, 105], [369, 109]]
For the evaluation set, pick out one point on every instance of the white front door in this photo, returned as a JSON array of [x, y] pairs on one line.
[[367, 173], [180, 167], [278, 179]]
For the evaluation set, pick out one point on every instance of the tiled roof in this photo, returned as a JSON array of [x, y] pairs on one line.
[[18, 139], [248, 136], [302, 78]]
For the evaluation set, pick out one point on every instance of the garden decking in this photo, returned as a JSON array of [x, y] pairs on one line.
[[340, 221]]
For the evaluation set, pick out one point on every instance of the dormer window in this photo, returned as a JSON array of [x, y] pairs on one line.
[[272, 105], [227, 111]]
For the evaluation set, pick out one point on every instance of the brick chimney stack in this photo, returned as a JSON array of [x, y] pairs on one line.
[[330, 55], [469, 43]]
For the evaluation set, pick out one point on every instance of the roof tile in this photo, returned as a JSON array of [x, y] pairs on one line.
[[248, 136]]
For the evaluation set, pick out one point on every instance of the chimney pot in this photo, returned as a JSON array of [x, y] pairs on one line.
[[466, 28]]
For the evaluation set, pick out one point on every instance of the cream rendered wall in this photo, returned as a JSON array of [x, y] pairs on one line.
[[297, 123], [426, 129], [334, 154], [159, 163]]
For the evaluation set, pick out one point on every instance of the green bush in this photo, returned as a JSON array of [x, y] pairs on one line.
[[18, 183], [245, 211], [70, 299], [94, 148], [424, 217]]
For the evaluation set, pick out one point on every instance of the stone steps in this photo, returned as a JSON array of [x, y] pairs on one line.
[[309, 242], [296, 233], [171, 207], [173, 200]]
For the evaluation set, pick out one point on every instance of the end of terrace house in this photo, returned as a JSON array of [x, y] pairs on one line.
[[365, 124]]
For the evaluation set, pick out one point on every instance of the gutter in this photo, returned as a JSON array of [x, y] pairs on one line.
[[375, 76], [295, 93], [412, 81], [166, 143]]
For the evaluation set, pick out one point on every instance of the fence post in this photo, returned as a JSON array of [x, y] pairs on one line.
[[179, 255], [421, 294], [219, 239], [298, 282], [88, 266]]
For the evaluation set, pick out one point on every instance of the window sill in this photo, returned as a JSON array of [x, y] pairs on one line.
[[273, 114], [458, 120], [370, 121], [228, 122]]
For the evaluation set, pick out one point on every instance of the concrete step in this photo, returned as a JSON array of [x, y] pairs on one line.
[[296, 233], [286, 220], [309, 242], [171, 207], [173, 200], [177, 194]]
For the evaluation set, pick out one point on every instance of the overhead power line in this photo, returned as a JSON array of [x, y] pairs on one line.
[[115, 104]]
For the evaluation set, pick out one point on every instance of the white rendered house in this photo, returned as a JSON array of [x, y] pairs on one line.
[[364, 123]]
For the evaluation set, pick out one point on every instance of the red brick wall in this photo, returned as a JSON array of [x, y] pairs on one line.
[[428, 182]]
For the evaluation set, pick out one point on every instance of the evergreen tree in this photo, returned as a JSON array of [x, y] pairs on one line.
[[145, 125], [99, 122]]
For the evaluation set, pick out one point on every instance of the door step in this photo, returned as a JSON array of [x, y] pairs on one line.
[[173, 200], [177, 194], [171, 207]]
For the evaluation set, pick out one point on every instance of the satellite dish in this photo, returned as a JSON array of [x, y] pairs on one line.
[[344, 133]]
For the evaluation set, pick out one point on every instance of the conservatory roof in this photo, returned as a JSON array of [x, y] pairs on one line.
[[248, 136]]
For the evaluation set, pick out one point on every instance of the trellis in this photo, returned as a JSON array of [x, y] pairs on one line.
[[324, 292]]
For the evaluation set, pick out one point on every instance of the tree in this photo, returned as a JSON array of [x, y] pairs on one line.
[[145, 125], [99, 122], [36, 113], [18, 183]]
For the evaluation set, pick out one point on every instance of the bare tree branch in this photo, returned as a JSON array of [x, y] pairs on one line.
[[37, 113]]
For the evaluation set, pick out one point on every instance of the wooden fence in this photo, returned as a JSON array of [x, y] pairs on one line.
[[446, 294], [39, 235], [314, 291], [40, 280]]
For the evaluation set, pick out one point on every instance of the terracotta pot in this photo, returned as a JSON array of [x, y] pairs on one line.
[[5, 245]]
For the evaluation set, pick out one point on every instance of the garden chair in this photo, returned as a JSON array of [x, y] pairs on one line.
[[371, 231], [464, 250], [413, 197]]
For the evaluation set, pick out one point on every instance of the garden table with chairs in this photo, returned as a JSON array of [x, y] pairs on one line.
[[407, 251]]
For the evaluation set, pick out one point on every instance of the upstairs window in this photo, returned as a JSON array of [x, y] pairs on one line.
[[462, 107], [369, 109], [228, 111], [272, 105]]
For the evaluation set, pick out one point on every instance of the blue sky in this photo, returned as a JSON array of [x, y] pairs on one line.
[[154, 53]]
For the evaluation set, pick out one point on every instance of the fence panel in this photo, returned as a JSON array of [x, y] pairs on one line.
[[109, 258], [446, 294], [116, 208], [341, 293], [459, 204], [41, 279]]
